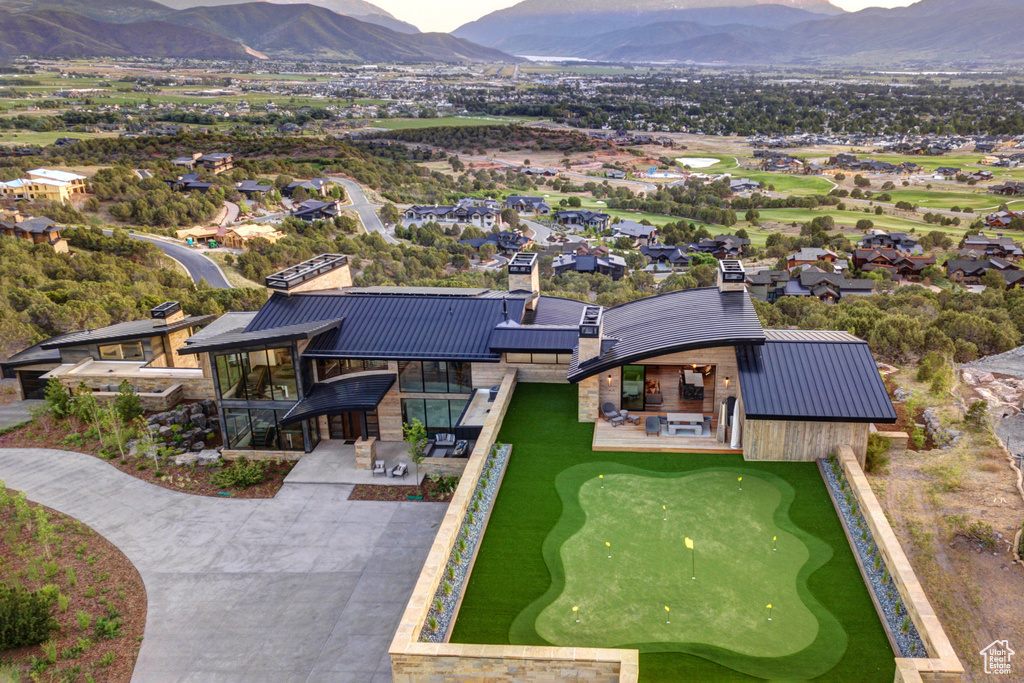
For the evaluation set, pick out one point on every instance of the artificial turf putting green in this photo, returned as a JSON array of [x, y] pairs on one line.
[[514, 580]]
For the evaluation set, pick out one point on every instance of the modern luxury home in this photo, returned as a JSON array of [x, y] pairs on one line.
[[685, 371]]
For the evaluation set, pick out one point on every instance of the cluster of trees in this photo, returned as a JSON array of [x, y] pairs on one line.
[[704, 203], [470, 138], [109, 279], [150, 202]]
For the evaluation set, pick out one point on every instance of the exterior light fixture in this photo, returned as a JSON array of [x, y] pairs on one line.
[[726, 382]]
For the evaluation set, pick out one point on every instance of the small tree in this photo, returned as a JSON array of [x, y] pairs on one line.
[[58, 398], [488, 250], [977, 414], [127, 404], [87, 409], [415, 434]]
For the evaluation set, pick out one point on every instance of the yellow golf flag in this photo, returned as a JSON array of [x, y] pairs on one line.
[[663, 507], [775, 538], [666, 608], [739, 479], [607, 543], [575, 608], [600, 476], [769, 606], [689, 543]]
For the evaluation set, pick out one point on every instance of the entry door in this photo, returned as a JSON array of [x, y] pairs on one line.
[[345, 426]]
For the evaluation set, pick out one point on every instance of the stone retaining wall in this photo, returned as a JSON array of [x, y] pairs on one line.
[[942, 664], [444, 467], [157, 402], [415, 661], [260, 455]]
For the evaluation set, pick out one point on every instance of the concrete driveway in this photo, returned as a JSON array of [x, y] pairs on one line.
[[199, 267], [367, 211], [307, 586]]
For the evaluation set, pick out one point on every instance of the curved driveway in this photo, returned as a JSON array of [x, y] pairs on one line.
[[307, 586], [199, 267], [367, 211]]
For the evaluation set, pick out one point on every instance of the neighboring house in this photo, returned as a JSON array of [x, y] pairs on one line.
[[615, 175], [313, 210], [145, 352], [1002, 219], [1003, 247], [767, 285], [970, 271], [947, 172], [535, 205], [900, 265], [808, 256], [1010, 189], [829, 287], [545, 172], [239, 236], [252, 189], [638, 233], [899, 241], [189, 182], [484, 214], [44, 185], [665, 255], [312, 186], [613, 266], [507, 242], [744, 185], [75, 183], [582, 218], [215, 162], [782, 163], [38, 230], [720, 246]]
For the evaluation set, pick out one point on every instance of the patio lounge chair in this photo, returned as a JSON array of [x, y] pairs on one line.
[[635, 419], [608, 411], [400, 470], [444, 440], [652, 425], [379, 468]]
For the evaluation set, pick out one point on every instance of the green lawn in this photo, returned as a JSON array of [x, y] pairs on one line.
[[936, 199], [544, 552], [449, 121], [848, 218], [789, 184]]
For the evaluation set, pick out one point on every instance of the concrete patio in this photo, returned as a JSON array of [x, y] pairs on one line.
[[333, 462], [306, 586]]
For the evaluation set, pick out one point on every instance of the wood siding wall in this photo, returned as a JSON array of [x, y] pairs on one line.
[[801, 441]]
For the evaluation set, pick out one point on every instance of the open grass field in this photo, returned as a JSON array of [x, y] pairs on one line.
[[936, 199], [789, 184], [544, 551], [847, 218], [449, 121]]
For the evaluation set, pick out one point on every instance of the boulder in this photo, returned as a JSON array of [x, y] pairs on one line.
[[198, 446], [165, 432], [186, 459], [209, 407], [901, 394], [208, 456], [200, 420]]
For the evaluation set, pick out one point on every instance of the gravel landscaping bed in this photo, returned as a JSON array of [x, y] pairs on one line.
[[447, 596], [879, 581]]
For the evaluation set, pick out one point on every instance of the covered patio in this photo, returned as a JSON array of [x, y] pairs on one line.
[[631, 436]]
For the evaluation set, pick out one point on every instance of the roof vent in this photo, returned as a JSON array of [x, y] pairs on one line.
[[731, 276]]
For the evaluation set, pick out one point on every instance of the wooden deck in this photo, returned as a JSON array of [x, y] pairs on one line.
[[632, 439]]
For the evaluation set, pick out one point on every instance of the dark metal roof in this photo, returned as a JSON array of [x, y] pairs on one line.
[[533, 338], [395, 327], [33, 355], [673, 322], [813, 380], [134, 329], [553, 310], [348, 394], [275, 335]]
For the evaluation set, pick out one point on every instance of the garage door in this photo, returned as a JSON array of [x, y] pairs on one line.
[[31, 385]]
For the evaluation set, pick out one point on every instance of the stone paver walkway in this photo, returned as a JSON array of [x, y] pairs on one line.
[[16, 413], [306, 586]]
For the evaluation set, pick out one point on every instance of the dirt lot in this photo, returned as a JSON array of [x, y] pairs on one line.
[[956, 512]]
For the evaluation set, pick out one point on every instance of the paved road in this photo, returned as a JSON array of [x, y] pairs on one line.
[[307, 586], [198, 266], [232, 215], [541, 233], [367, 211]]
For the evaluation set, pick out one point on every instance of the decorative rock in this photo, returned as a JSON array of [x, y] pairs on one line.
[[209, 456], [186, 459], [198, 446], [200, 420], [165, 432], [209, 407], [901, 394]]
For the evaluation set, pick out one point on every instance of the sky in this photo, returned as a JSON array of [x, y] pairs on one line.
[[448, 15]]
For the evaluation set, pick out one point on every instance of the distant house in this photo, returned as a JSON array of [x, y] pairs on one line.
[[239, 236], [720, 246], [828, 287], [507, 242], [899, 241], [546, 172], [535, 205], [189, 182], [44, 185], [900, 265], [582, 218], [947, 172], [38, 230], [615, 175], [970, 271], [665, 255], [613, 266], [313, 210], [638, 233], [809, 256], [253, 189], [1000, 246], [483, 214], [1012, 188], [1002, 219], [767, 285], [311, 186], [215, 162], [744, 185]]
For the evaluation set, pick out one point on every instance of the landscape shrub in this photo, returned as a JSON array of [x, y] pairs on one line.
[[127, 403], [877, 456], [977, 414], [240, 474], [58, 398], [25, 617]]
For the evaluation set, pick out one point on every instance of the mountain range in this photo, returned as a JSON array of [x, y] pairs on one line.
[[751, 32], [84, 28]]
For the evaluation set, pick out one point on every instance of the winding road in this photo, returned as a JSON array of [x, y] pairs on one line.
[[367, 211], [199, 267]]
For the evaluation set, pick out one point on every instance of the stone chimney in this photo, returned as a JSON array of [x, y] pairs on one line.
[[327, 271], [524, 276], [731, 276], [166, 313], [591, 332]]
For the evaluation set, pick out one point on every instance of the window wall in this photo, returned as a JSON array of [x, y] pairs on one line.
[[257, 375], [261, 430], [326, 368], [125, 351], [436, 414], [435, 377], [539, 358]]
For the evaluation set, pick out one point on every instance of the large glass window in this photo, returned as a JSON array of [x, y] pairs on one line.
[[326, 368], [633, 377], [236, 428], [126, 351], [261, 430], [282, 374], [258, 375], [436, 414], [231, 370], [435, 377], [291, 435]]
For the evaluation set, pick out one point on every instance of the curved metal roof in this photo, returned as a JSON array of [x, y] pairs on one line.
[[673, 322], [359, 393]]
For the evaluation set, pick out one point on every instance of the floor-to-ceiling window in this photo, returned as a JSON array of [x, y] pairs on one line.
[[436, 414], [435, 377], [633, 387]]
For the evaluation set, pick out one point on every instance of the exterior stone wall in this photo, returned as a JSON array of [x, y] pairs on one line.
[[366, 452], [193, 388], [260, 455], [444, 467], [942, 664], [339, 277], [589, 399], [156, 402]]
